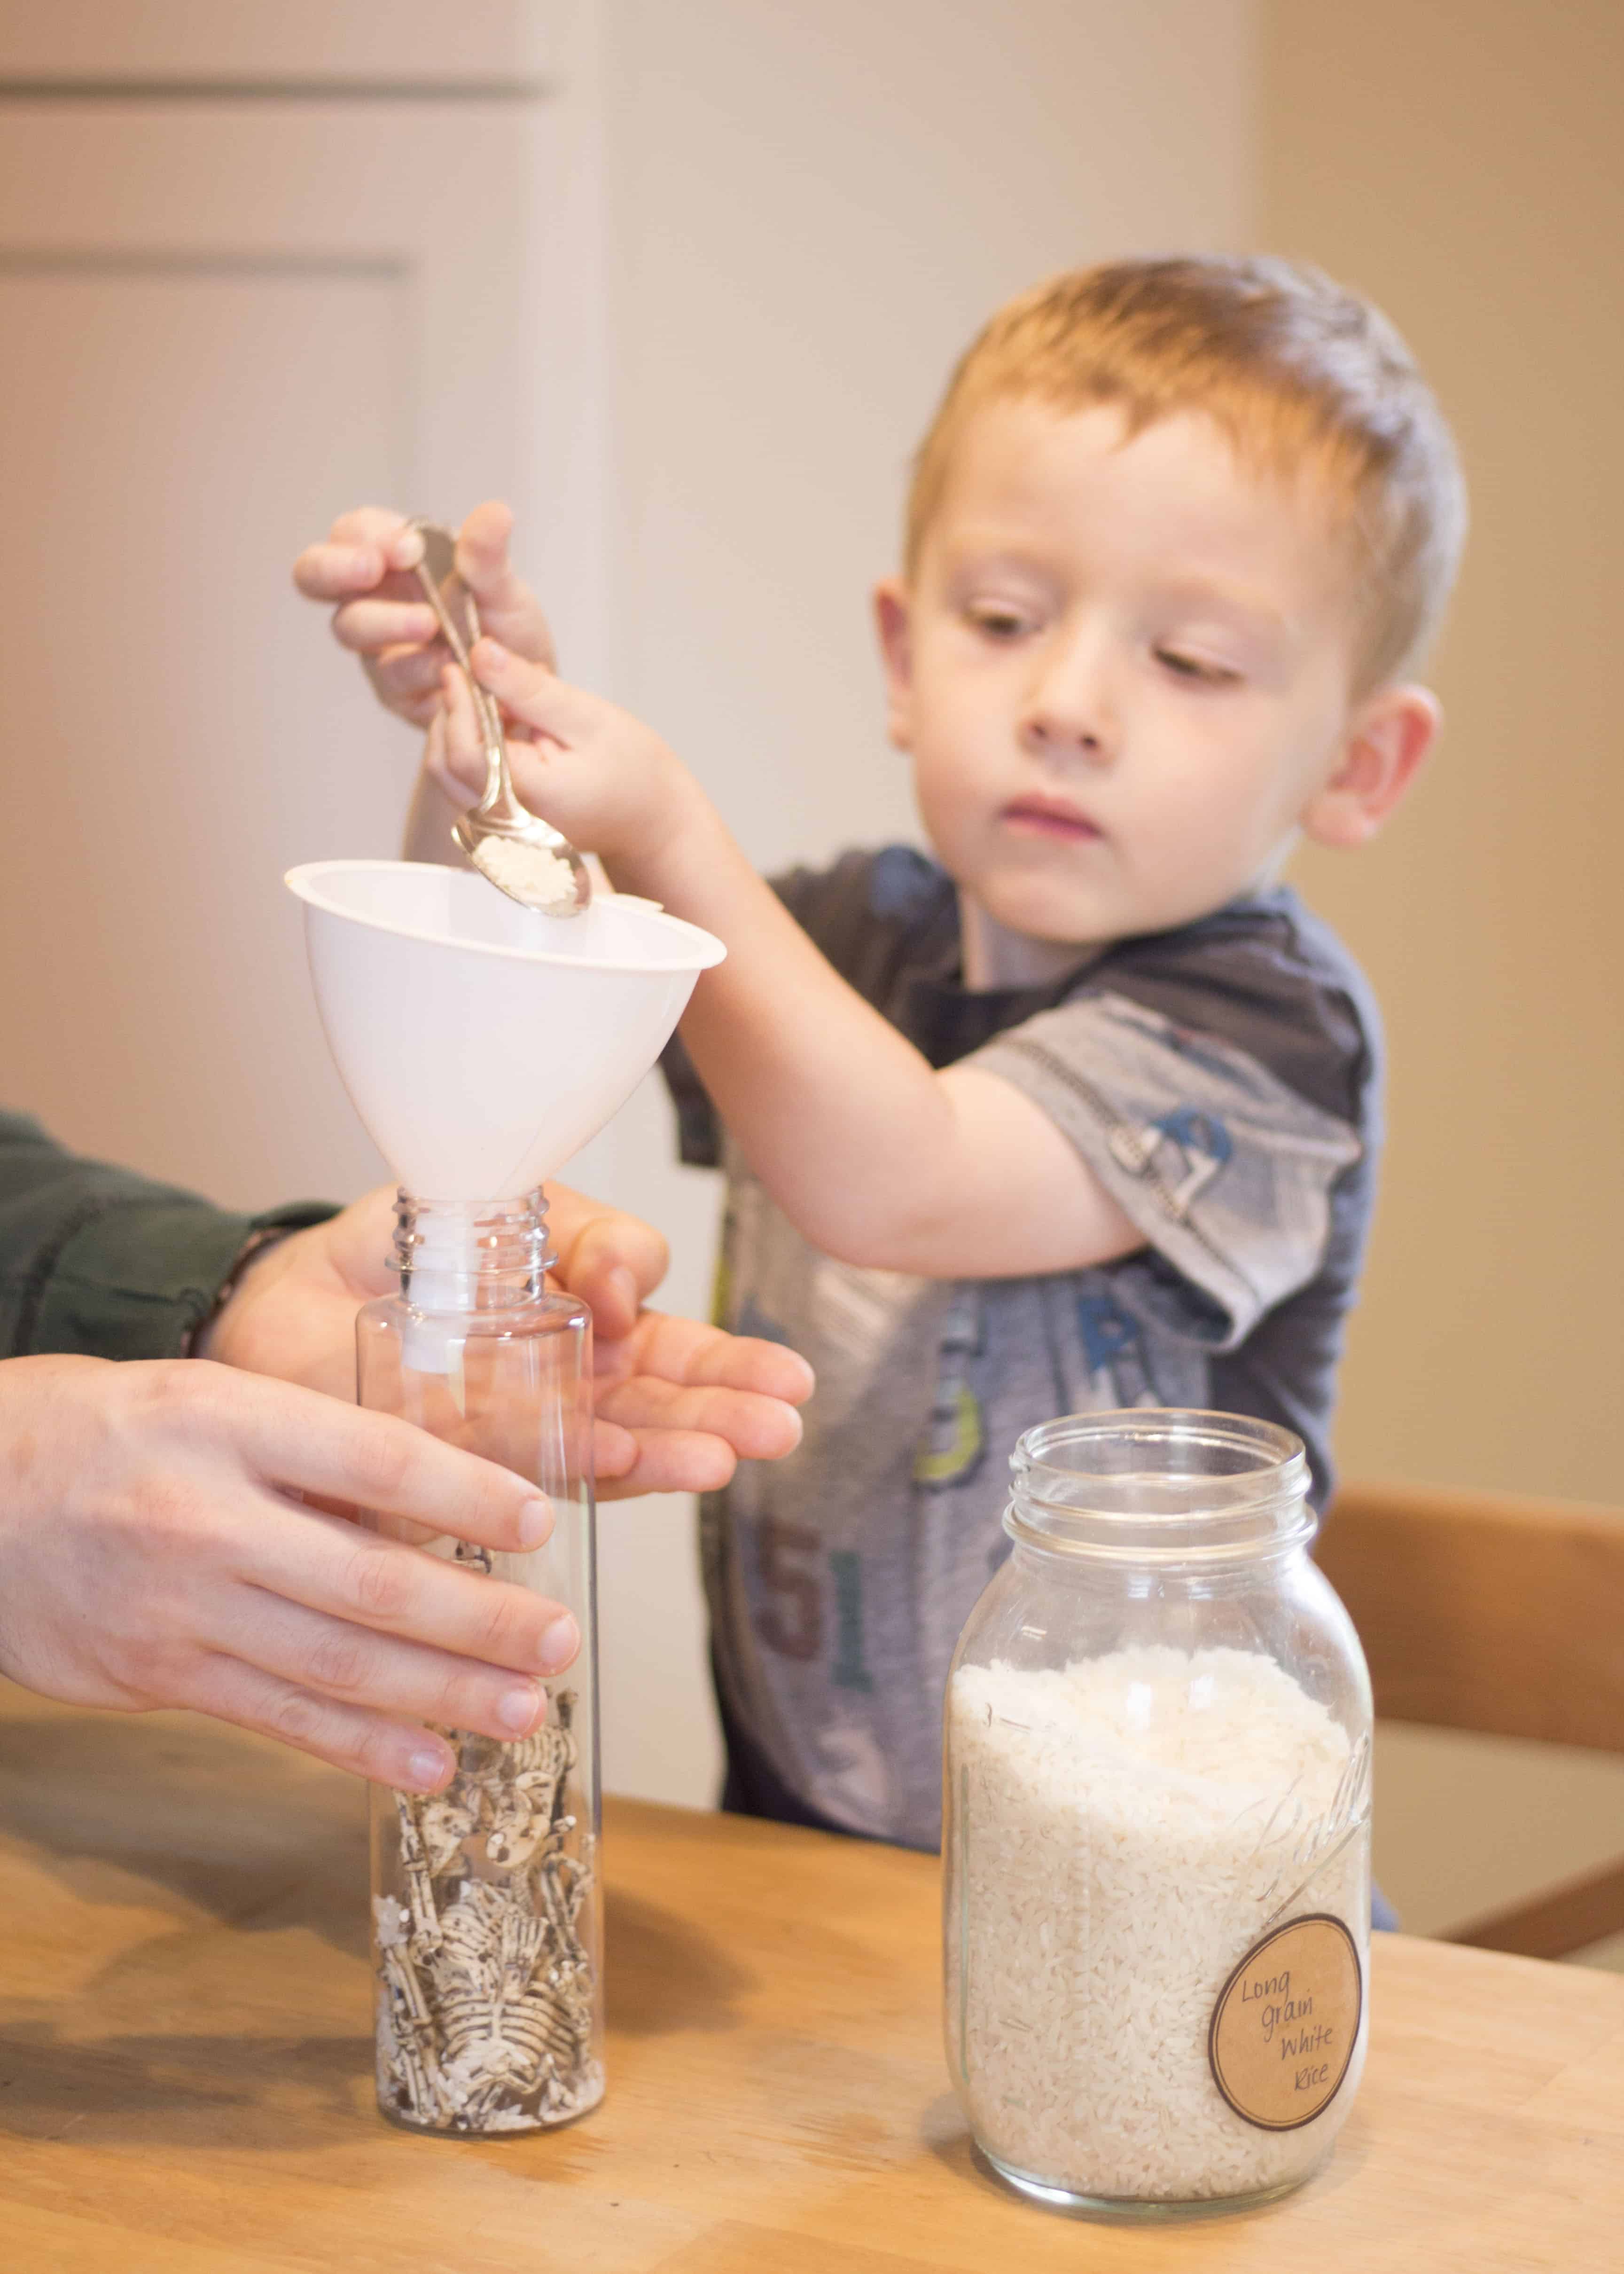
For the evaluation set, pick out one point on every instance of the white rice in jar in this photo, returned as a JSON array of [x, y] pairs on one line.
[[1128, 1828]]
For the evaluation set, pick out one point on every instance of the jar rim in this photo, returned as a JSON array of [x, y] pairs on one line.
[[1161, 1484]]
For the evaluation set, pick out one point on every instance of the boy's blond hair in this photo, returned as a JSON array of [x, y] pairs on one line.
[[1303, 378]]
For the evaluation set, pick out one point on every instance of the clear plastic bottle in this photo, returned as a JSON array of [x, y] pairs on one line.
[[1156, 1839], [487, 1903]]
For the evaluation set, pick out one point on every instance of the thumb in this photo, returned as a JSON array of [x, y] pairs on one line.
[[507, 607], [532, 694], [611, 1259]]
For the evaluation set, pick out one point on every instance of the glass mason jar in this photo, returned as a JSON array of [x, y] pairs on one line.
[[486, 1904], [1156, 1833]]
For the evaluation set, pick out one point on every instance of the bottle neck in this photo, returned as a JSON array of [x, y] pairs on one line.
[[471, 1255]]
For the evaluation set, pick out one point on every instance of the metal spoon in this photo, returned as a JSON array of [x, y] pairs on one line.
[[511, 848]]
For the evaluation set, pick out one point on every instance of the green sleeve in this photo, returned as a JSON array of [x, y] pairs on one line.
[[98, 1261]]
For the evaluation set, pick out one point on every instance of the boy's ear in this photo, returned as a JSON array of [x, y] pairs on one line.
[[1387, 740], [893, 622]]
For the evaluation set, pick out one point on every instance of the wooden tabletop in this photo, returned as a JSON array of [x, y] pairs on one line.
[[187, 2073]]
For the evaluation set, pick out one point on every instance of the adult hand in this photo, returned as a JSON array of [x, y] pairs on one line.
[[155, 1550], [678, 1404], [380, 614]]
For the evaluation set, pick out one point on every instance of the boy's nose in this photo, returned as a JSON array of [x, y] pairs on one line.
[[1067, 715], [1067, 722], [1046, 731]]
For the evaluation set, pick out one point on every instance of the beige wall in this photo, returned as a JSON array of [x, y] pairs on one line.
[[810, 209], [1464, 162]]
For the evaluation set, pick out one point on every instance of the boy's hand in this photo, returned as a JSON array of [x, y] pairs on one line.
[[157, 1547], [593, 771], [382, 617], [678, 1404], [615, 789]]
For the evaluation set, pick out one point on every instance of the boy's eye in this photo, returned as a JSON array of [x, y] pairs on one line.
[[1193, 667], [998, 623]]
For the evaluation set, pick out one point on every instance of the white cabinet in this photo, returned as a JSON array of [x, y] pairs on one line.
[[223, 316], [386, 42]]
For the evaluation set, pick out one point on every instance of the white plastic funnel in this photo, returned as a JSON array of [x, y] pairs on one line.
[[483, 1043]]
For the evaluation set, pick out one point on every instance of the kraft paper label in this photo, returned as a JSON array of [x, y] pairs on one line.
[[1283, 2028]]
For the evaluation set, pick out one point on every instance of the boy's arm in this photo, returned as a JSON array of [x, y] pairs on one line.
[[877, 1157]]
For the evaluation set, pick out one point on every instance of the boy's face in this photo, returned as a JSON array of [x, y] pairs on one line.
[[1124, 670]]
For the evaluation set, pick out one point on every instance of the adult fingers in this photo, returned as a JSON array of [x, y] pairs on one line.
[[688, 1351], [673, 1460], [339, 1568], [347, 1736], [298, 1437], [628, 1462], [757, 1428], [614, 1453], [378, 1672]]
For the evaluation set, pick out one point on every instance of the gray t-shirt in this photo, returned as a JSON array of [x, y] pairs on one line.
[[1223, 1083]]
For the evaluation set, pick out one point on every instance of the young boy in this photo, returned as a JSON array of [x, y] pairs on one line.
[[1084, 1111]]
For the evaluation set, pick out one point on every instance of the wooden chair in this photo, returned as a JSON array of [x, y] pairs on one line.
[[1483, 1611]]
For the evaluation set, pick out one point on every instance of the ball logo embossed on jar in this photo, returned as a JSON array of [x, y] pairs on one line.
[[1286, 2023]]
